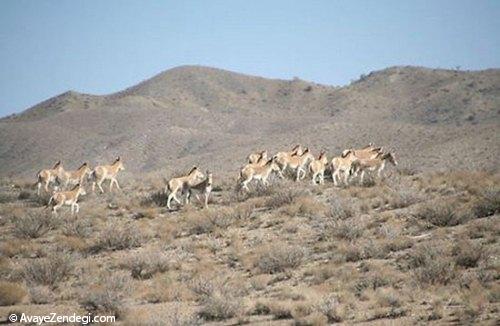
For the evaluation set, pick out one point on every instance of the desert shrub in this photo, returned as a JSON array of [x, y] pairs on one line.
[[372, 282], [329, 306], [488, 202], [349, 230], [11, 293], [117, 235], [282, 198], [340, 209], [431, 265], [220, 305], [145, 265], [279, 257], [23, 195], [199, 223], [77, 227], [440, 214], [41, 294], [467, 254], [49, 270], [32, 225], [219, 299], [403, 197], [106, 293], [157, 198]]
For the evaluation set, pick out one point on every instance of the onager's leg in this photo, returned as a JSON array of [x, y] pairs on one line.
[[47, 186], [188, 194], [207, 194], [346, 177], [77, 207], [110, 184], [116, 183], [39, 186], [334, 177], [169, 199], [362, 176], [99, 184]]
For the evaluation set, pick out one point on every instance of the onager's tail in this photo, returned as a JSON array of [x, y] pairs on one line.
[[49, 203]]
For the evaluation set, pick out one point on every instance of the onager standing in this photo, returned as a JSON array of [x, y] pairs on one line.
[[250, 172], [299, 163], [374, 164], [282, 158], [182, 184], [76, 177], [69, 198], [204, 187], [48, 176], [258, 158], [107, 172], [342, 164], [317, 168]]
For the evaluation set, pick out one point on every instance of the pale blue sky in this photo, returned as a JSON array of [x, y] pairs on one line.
[[99, 47]]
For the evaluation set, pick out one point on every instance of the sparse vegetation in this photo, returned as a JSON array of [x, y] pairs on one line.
[[11, 293], [49, 270], [278, 258]]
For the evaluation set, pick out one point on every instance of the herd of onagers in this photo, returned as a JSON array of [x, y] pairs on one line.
[[259, 167]]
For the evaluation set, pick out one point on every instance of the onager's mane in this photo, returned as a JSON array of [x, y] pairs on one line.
[[57, 164], [194, 168], [344, 155], [81, 166]]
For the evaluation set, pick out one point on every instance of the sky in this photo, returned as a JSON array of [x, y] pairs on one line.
[[100, 47]]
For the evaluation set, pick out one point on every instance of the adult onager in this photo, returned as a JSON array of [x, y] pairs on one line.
[[48, 176], [298, 163], [182, 184], [77, 176], [107, 172], [317, 168], [69, 198], [373, 164], [258, 158], [204, 187], [282, 158], [342, 164], [262, 173]]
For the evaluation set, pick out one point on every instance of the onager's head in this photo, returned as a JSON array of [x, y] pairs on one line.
[[80, 190], [263, 155], [209, 175], [58, 163], [118, 162], [195, 174], [297, 150], [391, 158], [346, 152], [86, 168]]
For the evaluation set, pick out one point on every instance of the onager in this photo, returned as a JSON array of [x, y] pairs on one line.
[[258, 158], [182, 184], [298, 163], [317, 168], [342, 164], [69, 198], [76, 177], [262, 173], [282, 158], [204, 187], [374, 164], [107, 172], [48, 176]]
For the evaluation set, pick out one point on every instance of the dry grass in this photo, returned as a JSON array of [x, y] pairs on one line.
[[32, 225], [11, 293], [278, 257], [49, 270]]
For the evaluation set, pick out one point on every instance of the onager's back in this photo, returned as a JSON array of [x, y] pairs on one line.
[[48, 176], [317, 168], [107, 172], [258, 158], [77, 176], [377, 163], [69, 198], [183, 183], [204, 187], [251, 171]]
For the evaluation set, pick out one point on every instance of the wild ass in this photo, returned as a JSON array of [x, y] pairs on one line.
[[107, 172], [69, 198], [374, 164], [48, 176], [317, 168], [204, 187], [298, 163], [262, 173], [77, 176], [182, 184], [282, 158], [342, 164], [258, 158]]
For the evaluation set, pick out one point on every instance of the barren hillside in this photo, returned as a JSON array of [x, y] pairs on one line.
[[434, 119]]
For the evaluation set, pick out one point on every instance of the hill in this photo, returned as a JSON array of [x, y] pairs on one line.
[[197, 115]]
